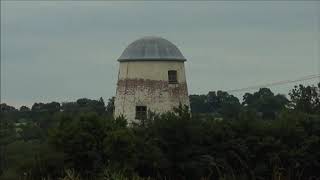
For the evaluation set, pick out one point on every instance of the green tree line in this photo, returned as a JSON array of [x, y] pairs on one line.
[[266, 136]]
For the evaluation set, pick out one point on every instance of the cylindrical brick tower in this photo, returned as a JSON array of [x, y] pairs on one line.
[[151, 78]]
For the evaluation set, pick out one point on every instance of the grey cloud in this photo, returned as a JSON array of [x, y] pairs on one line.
[[67, 50]]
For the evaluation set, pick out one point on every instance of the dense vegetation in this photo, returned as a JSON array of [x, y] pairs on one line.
[[264, 137]]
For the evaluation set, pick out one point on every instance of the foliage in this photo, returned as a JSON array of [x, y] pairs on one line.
[[222, 104], [225, 104], [265, 137], [265, 103], [110, 106], [306, 99], [81, 139], [199, 104]]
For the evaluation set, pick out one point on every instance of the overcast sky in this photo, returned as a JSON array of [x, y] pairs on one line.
[[62, 51]]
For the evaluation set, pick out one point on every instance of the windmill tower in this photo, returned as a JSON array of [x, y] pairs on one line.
[[151, 78]]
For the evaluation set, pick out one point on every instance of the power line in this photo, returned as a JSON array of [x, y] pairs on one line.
[[276, 83]]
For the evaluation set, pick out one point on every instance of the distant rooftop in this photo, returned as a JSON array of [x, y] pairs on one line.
[[151, 48]]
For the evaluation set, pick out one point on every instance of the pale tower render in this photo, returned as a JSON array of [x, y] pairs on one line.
[[151, 78]]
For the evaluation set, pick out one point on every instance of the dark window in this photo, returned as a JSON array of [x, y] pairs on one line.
[[141, 112], [172, 77]]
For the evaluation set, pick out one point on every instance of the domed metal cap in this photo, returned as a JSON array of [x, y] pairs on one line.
[[151, 48]]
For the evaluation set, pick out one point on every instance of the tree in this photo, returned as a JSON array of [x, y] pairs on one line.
[[174, 145], [24, 109], [7, 135], [224, 104], [110, 106], [84, 105], [69, 107], [264, 102], [31, 131], [199, 104], [6, 108], [81, 139], [37, 107], [306, 98], [52, 107]]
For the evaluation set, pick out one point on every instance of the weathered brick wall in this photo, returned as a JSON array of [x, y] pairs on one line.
[[145, 83]]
